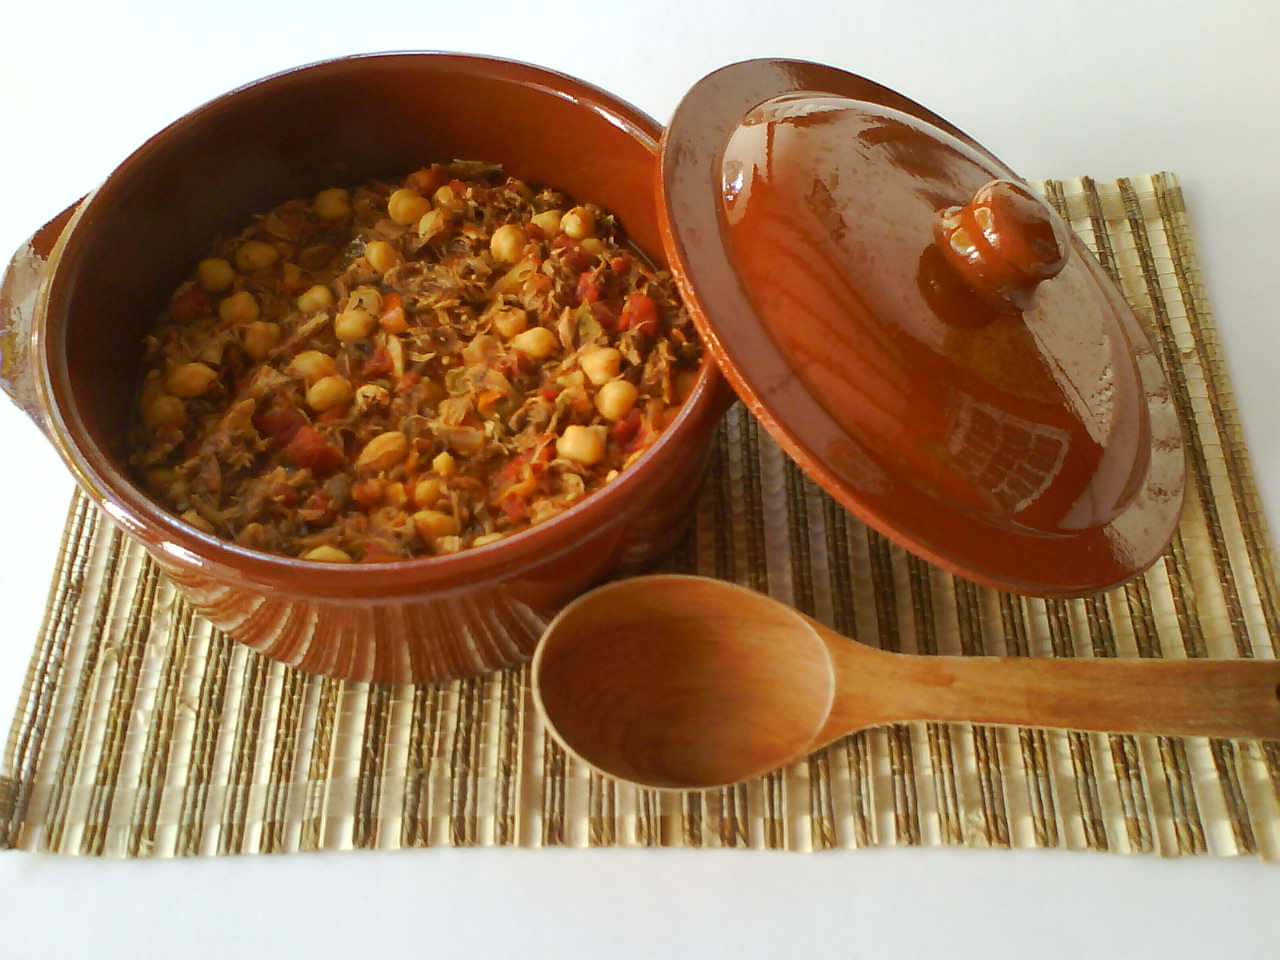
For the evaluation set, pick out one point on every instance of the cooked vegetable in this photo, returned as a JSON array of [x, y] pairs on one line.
[[405, 369]]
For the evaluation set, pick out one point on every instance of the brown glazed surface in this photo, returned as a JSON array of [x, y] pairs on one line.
[[330, 124], [925, 337]]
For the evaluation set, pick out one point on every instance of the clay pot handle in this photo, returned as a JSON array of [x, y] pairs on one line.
[[1003, 243], [19, 291]]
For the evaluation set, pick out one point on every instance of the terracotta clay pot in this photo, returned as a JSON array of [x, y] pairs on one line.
[[80, 296]]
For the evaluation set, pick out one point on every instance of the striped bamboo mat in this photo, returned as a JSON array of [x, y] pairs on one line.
[[144, 732]]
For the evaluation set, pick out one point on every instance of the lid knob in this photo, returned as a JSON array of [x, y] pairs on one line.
[[1002, 243]]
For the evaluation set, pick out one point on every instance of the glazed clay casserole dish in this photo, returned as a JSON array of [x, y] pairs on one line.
[[927, 339], [339, 123]]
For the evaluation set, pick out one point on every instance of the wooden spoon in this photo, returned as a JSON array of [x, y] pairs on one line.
[[690, 683]]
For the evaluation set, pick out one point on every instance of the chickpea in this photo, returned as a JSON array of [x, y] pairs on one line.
[[427, 491], [328, 393], [253, 255], [252, 535], [446, 198], [406, 206], [293, 277], [327, 554], [548, 221], [444, 464], [435, 224], [164, 411], [432, 524], [239, 308], [365, 298], [189, 379], [333, 204], [260, 338], [353, 324], [311, 365], [537, 342], [396, 495], [509, 321], [383, 452], [600, 364], [584, 444], [381, 255], [371, 395], [315, 298], [593, 246], [507, 243], [616, 399], [215, 274], [579, 223]]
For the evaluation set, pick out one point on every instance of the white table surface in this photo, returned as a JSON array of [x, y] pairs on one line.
[[1099, 87]]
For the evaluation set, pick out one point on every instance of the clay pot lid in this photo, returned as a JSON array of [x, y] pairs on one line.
[[925, 337]]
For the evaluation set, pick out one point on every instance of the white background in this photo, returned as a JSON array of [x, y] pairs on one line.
[[1082, 87]]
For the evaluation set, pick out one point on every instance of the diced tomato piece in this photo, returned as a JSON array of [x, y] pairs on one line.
[[620, 263], [639, 313], [571, 253], [514, 506], [410, 380], [378, 364], [534, 232], [375, 552], [588, 287], [427, 180], [549, 392], [367, 493], [311, 449], [643, 437], [540, 282], [626, 428], [279, 423], [190, 302], [509, 473]]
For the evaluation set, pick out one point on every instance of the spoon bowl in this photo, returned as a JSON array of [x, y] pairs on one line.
[[689, 683], [645, 685]]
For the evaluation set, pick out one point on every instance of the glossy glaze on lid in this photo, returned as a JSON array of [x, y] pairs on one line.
[[921, 333]]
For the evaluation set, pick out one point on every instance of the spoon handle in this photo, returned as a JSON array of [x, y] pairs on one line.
[[1214, 698]]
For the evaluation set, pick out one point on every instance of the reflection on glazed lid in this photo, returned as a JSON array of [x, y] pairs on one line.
[[923, 335], [870, 228]]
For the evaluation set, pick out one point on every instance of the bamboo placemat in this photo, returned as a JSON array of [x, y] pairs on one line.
[[144, 732]]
